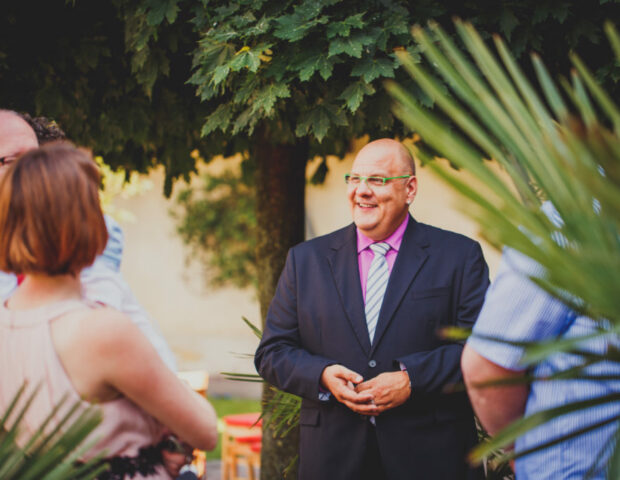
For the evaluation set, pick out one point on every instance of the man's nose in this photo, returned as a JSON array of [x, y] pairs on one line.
[[363, 188]]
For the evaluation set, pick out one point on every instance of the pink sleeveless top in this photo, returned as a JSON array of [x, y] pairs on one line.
[[27, 353]]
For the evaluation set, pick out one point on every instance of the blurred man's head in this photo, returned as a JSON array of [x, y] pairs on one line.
[[16, 137]]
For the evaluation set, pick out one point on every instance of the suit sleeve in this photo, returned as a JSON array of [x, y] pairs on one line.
[[280, 358], [430, 371]]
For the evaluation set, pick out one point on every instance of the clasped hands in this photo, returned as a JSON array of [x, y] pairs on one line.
[[386, 390]]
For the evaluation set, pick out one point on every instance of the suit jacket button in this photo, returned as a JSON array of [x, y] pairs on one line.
[[372, 364]]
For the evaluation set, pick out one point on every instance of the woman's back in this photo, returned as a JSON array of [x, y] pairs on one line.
[[27, 353], [52, 227]]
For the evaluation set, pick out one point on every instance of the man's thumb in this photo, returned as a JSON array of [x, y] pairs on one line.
[[351, 376]]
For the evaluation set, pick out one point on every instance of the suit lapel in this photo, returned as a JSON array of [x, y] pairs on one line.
[[409, 261], [345, 268]]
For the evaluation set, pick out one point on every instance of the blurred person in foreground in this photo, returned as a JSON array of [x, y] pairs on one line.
[[102, 282], [517, 310], [51, 227], [352, 329]]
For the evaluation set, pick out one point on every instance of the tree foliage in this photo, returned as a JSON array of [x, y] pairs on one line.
[[70, 60], [314, 69], [122, 76], [218, 222]]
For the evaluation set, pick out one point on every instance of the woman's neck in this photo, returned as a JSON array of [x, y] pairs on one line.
[[38, 289]]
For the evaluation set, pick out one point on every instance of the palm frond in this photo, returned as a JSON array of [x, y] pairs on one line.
[[49, 454], [557, 142]]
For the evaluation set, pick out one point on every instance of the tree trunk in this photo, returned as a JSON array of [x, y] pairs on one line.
[[280, 192]]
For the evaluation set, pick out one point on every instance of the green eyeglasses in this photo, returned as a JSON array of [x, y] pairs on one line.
[[351, 179]]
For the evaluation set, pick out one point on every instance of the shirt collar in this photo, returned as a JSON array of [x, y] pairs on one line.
[[394, 240]]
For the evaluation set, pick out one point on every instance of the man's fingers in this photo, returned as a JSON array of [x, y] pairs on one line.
[[335, 376], [362, 408], [348, 375], [346, 395], [367, 385]]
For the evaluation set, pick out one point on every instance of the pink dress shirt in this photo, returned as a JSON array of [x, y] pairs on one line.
[[365, 254]]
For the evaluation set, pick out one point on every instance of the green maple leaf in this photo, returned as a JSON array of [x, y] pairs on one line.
[[220, 73], [227, 10], [246, 89], [220, 118], [242, 121], [541, 13], [560, 13], [158, 9], [246, 59], [205, 90], [351, 46], [354, 94], [508, 22], [371, 68], [318, 120], [267, 97], [259, 28], [315, 62], [295, 26], [343, 29], [211, 55]]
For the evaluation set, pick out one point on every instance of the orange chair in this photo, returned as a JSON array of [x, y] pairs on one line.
[[241, 445], [198, 380]]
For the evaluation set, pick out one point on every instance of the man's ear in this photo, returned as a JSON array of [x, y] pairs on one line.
[[412, 189]]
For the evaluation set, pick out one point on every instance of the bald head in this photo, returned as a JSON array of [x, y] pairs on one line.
[[16, 137], [378, 208], [386, 148]]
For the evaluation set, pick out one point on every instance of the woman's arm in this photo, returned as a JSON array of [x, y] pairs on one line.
[[122, 357]]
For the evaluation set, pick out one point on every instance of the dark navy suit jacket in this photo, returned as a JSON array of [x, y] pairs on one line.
[[317, 319]]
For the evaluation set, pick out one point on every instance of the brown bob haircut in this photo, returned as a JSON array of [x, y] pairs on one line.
[[50, 218]]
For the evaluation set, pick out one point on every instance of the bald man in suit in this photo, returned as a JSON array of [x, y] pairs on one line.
[[352, 329]]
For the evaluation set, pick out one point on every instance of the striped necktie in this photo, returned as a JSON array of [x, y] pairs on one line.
[[378, 277]]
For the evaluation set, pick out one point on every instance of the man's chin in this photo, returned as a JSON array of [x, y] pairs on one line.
[[364, 224]]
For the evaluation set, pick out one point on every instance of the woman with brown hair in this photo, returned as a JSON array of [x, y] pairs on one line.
[[51, 227]]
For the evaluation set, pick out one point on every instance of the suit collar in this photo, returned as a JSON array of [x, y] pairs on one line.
[[411, 257], [342, 259]]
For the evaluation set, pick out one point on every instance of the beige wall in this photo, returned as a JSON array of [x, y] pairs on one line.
[[203, 325]]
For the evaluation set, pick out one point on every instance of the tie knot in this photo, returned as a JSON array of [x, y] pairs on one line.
[[380, 248]]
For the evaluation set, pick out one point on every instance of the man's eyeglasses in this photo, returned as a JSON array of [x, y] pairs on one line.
[[6, 161], [351, 179]]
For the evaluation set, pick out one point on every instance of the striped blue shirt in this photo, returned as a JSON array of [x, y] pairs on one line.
[[516, 309]]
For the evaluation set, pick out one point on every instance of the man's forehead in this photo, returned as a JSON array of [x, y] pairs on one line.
[[16, 136], [377, 159]]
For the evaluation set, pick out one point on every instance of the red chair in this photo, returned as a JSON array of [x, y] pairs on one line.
[[241, 445]]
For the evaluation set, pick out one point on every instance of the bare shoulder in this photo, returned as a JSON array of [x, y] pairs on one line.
[[103, 327], [103, 316]]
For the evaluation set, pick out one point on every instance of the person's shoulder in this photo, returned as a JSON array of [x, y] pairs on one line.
[[105, 324], [97, 329]]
